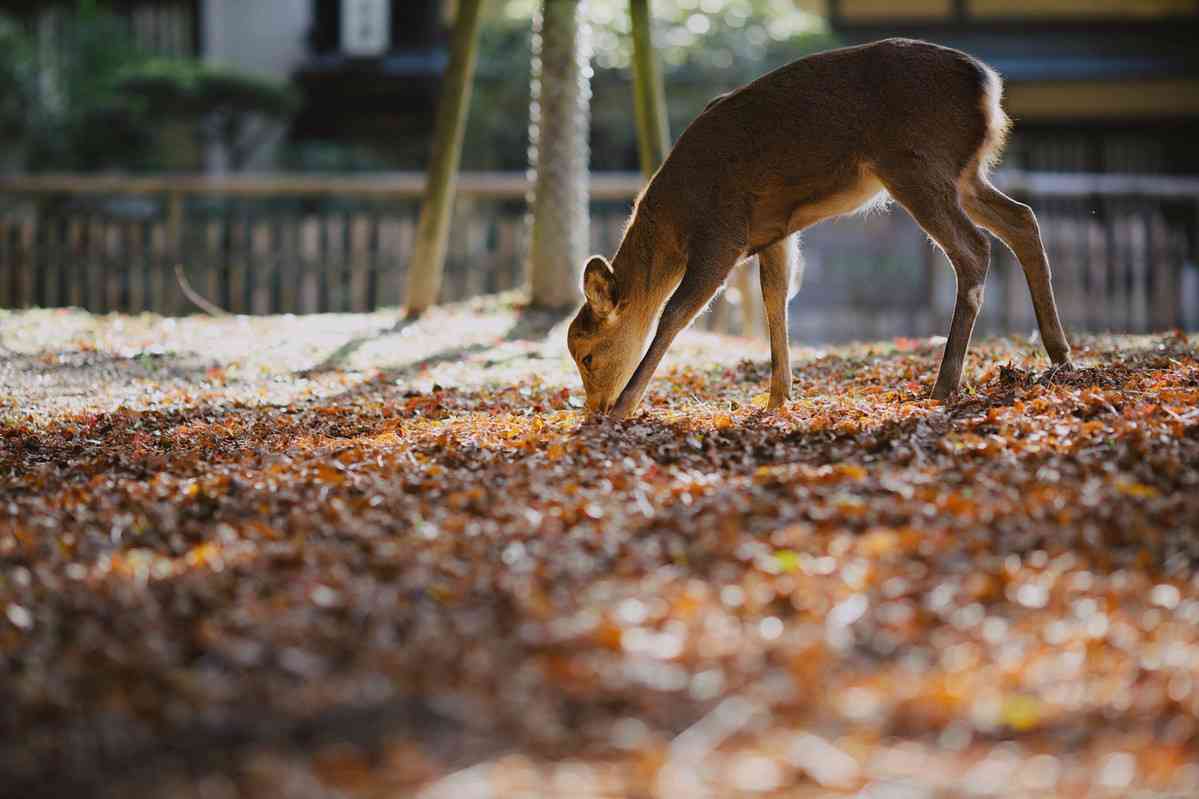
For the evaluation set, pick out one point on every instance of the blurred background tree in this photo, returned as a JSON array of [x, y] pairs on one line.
[[558, 134]]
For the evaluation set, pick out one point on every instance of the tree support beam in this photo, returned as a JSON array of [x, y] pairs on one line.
[[427, 266], [649, 96]]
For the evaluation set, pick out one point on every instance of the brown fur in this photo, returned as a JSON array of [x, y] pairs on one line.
[[826, 135]]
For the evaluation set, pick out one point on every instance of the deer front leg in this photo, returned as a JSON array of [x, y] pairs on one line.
[[776, 264], [697, 288]]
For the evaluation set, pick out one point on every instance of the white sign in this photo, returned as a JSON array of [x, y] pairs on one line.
[[365, 27]]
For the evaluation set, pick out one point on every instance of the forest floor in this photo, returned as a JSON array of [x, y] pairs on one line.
[[337, 556]]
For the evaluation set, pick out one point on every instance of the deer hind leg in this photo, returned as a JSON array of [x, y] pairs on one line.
[[935, 207], [777, 264], [1015, 224]]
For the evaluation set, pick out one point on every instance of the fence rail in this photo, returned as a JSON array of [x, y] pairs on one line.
[[1124, 249], [604, 185]]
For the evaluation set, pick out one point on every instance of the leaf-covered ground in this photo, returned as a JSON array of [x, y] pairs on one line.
[[326, 556]]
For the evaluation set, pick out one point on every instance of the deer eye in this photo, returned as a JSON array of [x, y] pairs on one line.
[[587, 361]]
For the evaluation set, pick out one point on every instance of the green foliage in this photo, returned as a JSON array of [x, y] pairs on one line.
[[734, 38], [225, 106], [17, 81], [707, 47], [190, 88], [94, 101], [76, 120]]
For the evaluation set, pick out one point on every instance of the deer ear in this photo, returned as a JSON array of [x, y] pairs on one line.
[[599, 287]]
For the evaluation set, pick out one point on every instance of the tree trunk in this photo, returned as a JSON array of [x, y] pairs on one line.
[[560, 118], [427, 264], [649, 97]]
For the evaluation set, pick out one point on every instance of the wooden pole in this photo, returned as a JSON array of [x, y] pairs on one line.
[[427, 265], [649, 96]]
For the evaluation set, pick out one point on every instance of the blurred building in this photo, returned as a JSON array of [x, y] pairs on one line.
[[1094, 85], [370, 71]]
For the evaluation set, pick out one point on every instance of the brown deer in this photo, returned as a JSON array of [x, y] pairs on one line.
[[826, 135]]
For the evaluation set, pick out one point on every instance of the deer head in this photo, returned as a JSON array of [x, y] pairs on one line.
[[606, 338]]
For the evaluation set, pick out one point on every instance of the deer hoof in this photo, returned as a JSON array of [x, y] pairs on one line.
[[621, 411]]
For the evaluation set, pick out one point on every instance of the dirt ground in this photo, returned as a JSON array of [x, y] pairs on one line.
[[344, 556]]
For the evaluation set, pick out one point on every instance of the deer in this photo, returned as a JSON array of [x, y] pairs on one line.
[[827, 135]]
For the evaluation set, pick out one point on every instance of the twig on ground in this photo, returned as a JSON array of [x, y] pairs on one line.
[[1050, 374], [205, 305]]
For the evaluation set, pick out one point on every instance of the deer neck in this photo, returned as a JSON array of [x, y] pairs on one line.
[[647, 269]]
